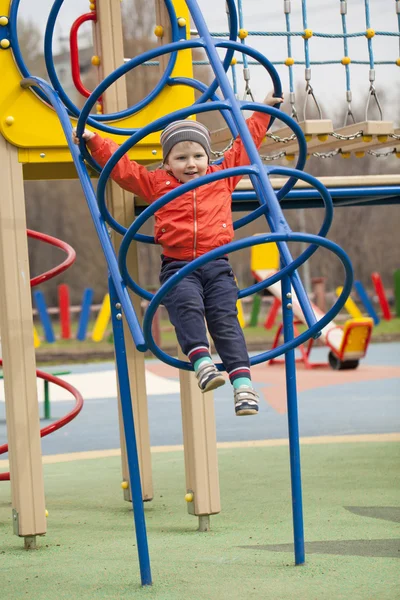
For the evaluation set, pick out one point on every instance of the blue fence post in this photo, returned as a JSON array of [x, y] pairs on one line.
[[44, 316], [85, 314], [130, 437], [293, 423], [362, 294]]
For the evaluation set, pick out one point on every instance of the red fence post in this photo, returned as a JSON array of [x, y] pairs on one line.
[[65, 315], [380, 292]]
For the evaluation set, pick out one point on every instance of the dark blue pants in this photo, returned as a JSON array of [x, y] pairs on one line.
[[208, 294]]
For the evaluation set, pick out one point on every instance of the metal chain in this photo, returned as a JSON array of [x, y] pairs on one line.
[[271, 157], [326, 154], [284, 140], [381, 154], [354, 136]]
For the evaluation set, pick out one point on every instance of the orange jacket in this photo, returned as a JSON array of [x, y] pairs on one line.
[[199, 220]]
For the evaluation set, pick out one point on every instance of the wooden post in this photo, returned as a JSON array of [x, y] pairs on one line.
[[109, 41], [200, 446], [16, 326]]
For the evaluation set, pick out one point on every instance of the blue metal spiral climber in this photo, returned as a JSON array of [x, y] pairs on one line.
[[269, 206]]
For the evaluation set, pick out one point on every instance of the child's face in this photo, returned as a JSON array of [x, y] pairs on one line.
[[187, 161]]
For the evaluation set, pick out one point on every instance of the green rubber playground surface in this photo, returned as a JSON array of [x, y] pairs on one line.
[[351, 514]]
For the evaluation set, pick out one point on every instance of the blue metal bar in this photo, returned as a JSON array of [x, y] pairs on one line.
[[131, 234], [90, 196], [233, 247], [156, 125], [267, 195], [96, 120], [362, 294], [293, 423], [44, 316], [339, 192], [130, 437], [85, 314], [162, 122]]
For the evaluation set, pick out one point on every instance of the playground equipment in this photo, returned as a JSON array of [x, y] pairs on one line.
[[347, 344], [47, 378], [44, 152]]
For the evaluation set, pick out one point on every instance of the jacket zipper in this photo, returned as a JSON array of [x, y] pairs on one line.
[[195, 223]]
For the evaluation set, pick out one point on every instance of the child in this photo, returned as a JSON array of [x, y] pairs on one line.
[[187, 227]]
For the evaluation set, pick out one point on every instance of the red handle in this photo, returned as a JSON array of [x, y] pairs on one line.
[[73, 46]]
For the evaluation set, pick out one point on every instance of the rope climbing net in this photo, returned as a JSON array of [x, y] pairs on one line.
[[313, 60]]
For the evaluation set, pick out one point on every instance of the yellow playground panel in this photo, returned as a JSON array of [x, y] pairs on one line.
[[28, 123], [356, 337], [264, 257]]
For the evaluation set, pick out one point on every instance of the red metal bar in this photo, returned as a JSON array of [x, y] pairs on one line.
[[57, 424], [48, 239], [74, 51], [65, 317], [71, 255], [380, 292], [271, 317]]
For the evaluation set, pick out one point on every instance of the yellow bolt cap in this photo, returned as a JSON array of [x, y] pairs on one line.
[[398, 62], [397, 154], [308, 138], [181, 22], [382, 138], [370, 33], [323, 137], [95, 60], [346, 154], [46, 513], [367, 138], [9, 120], [243, 33], [346, 60], [289, 61], [124, 485], [233, 61], [159, 30], [4, 43], [189, 497], [360, 154], [289, 157], [3, 21], [307, 34], [92, 6]]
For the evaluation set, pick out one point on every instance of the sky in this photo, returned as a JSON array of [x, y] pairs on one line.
[[323, 15]]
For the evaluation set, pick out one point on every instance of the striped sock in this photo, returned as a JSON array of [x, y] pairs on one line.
[[242, 382], [201, 361], [197, 353], [242, 375]]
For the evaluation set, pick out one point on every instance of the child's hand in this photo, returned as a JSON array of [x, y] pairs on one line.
[[86, 135], [270, 99]]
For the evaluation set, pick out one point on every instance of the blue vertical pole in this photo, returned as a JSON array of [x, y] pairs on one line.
[[293, 422], [362, 294], [85, 314], [44, 316], [130, 437]]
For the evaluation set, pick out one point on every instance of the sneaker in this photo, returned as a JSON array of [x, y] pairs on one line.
[[209, 378], [246, 401]]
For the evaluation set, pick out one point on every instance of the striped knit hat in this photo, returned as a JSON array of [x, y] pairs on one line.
[[185, 131]]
